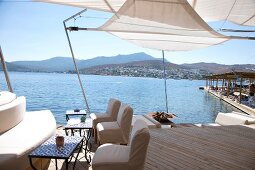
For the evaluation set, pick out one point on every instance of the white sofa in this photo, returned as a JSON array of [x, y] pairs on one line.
[[21, 132], [150, 122], [233, 118]]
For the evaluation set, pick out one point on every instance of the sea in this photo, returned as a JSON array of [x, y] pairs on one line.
[[60, 92]]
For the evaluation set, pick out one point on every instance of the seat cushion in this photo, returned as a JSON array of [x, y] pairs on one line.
[[232, 119], [111, 157], [97, 118], [110, 132]]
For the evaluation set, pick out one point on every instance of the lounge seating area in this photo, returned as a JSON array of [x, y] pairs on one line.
[[124, 141], [21, 131], [238, 92]]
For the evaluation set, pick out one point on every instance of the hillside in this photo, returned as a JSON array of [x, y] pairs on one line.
[[152, 68], [14, 67], [215, 68], [64, 64], [136, 65]]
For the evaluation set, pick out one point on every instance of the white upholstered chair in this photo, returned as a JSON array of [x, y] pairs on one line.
[[109, 116], [132, 156], [116, 131]]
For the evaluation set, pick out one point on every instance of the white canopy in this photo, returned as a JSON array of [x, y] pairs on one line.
[[238, 11], [162, 24], [168, 24], [101, 5]]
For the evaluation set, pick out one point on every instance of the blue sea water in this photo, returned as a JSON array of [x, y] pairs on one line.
[[61, 92]]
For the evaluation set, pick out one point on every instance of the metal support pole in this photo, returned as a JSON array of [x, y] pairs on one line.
[[5, 71], [74, 61], [163, 54]]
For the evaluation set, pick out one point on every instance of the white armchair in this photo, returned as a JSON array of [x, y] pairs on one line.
[[116, 131], [132, 156], [109, 116]]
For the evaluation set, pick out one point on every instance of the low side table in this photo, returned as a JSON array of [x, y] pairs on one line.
[[73, 113], [49, 150], [87, 125]]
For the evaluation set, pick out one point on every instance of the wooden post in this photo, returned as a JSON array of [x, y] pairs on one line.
[[228, 87], [206, 83], [240, 90], [222, 84], [217, 84], [235, 86]]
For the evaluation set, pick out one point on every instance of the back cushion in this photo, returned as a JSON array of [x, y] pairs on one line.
[[138, 151], [6, 97], [11, 114], [125, 119], [113, 108]]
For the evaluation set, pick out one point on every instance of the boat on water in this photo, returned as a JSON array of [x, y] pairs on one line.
[[22, 131]]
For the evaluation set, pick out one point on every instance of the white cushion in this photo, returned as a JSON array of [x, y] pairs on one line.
[[118, 131], [97, 117], [110, 114], [119, 157], [12, 113], [110, 132], [149, 121], [111, 157], [232, 119], [16, 143], [6, 97]]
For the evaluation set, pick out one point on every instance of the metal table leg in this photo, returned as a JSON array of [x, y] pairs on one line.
[[31, 163], [56, 164], [78, 154], [88, 158]]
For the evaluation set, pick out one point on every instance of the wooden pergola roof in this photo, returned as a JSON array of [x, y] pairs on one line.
[[233, 75]]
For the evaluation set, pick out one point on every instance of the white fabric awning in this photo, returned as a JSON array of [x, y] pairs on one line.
[[168, 24], [163, 25], [238, 11], [101, 5], [241, 12]]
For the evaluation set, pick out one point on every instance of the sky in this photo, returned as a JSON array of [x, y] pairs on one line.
[[34, 31]]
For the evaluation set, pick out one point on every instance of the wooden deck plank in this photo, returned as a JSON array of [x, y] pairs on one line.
[[210, 148], [186, 153]]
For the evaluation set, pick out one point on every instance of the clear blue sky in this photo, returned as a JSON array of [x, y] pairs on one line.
[[34, 31]]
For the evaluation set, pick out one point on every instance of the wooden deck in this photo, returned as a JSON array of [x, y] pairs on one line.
[[224, 147]]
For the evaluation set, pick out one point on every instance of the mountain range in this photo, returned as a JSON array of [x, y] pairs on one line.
[[137, 64], [53, 64]]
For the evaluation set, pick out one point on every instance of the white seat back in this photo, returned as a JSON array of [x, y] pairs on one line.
[[12, 114], [124, 120], [139, 142], [113, 108]]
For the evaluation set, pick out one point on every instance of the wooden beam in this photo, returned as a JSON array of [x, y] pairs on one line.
[[228, 87], [240, 90]]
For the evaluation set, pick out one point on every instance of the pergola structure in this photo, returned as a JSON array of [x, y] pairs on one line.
[[228, 79]]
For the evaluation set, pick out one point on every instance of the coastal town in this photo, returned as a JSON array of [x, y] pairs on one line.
[[171, 73]]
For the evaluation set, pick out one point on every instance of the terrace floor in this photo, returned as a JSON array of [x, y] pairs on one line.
[[222, 147]]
